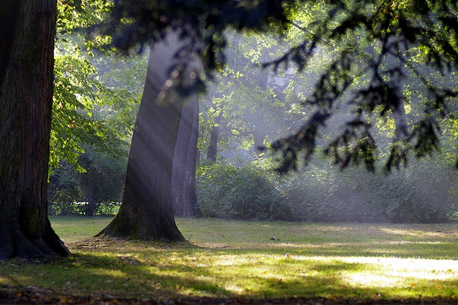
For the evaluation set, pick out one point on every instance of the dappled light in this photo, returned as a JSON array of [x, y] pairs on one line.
[[420, 233], [229, 152], [248, 264]]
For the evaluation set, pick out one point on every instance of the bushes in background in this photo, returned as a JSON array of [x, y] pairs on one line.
[[424, 192], [225, 191], [421, 193]]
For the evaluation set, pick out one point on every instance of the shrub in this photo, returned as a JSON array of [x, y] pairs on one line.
[[248, 192], [423, 192]]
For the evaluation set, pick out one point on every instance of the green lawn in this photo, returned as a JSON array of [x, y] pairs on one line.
[[253, 259]]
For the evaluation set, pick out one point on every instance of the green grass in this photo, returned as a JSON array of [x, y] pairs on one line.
[[240, 259]]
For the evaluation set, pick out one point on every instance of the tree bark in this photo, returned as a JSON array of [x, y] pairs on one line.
[[26, 88], [9, 10], [147, 211], [185, 161]]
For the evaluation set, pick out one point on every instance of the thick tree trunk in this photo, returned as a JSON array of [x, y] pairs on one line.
[[91, 207], [26, 89], [185, 161], [9, 11], [147, 210]]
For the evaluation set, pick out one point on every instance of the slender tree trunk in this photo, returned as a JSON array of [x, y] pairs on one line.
[[147, 209], [214, 134], [185, 161], [26, 88], [399, 116], [258, 136], [258, 127]]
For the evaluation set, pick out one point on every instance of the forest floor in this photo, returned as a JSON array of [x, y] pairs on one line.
[[252, 262]]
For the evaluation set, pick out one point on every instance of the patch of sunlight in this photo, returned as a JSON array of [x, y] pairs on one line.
[[108, 272], [342, 244], [406, 264], [310, 245], [4, 280], [233, 260], [418, 233], [392, 272], [189, 291], [334, 228], [368, 279], [234, 288], [424, 275]]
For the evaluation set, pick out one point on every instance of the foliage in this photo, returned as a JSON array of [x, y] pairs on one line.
[[226, 191], [422, 193], [87, 109], [64, 191], [386, 44], [93, 116], [378, 46], [77, 113], [70, 191], [75, 15]]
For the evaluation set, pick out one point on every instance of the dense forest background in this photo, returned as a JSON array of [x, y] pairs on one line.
[[245, 109]]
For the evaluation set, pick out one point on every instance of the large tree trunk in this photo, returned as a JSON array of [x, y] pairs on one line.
[[185, 161], [26, 88], [147, 210]]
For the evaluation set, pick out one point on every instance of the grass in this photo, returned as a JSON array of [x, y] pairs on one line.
[[253, 259]]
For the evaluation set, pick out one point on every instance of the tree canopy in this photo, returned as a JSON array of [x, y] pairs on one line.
[[378, 47]]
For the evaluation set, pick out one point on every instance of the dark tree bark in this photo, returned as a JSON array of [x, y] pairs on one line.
[[9, 11], [91, 206], [185, 161], [26, 87], [147, 209]]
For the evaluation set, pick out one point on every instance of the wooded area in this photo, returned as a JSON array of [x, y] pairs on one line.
[[305, 111]]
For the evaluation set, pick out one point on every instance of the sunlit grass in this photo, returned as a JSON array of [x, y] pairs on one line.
[[253, 259], [71, 229]]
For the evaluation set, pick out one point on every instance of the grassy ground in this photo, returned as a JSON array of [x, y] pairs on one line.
[[253, 259]]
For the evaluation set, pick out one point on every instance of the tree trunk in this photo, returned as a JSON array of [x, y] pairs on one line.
[[399, 116], [258, 121], [214, 134], [9, 11], [26, 88], [258, 136], [91, 207], [147, 209], [185, 161]]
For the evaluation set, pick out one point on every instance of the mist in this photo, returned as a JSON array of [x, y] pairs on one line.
[[244, 109]]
